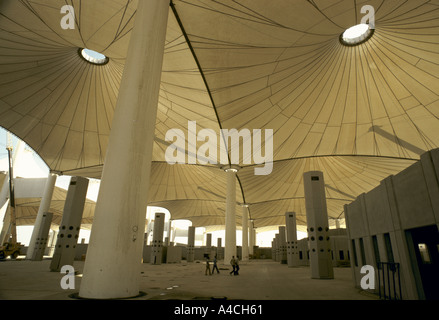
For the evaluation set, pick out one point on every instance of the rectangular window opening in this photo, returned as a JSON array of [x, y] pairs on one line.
[[389, 249], [376, 250], [363, 253], [341, 254], [354, 252]]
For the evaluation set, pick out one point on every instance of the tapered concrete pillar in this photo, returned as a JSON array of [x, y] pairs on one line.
[[292, 247], [318, 226], [70, 224], [273, 250], [148, 232], [42, 237], [191, 244], [219, 249], [52, 242], [112, 267], [146, 237], [282, 245], [251, 240], [208, 240], [230, 243], [276, 247], [245, 251], [157, 238], [169, 232], [208, 245], [41, 230]]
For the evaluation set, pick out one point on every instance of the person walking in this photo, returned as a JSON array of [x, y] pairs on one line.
[[207, 267], [237, 266], [233, 263], [215, 266]]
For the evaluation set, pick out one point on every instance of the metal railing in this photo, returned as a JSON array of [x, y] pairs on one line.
[[389, 281]]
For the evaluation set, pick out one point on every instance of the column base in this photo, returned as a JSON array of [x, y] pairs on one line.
[[76, 296]]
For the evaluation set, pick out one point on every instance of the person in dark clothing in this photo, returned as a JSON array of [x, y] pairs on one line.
[[215, 266], [236, 267], [207, 267], [233, 263]]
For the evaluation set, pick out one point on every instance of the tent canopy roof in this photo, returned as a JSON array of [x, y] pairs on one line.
[[356, 113]]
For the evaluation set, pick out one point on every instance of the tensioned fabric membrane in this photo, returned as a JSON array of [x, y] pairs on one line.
[[357, 113]]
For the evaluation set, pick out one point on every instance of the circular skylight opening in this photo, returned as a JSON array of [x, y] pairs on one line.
[[93, 56], [356, 35]]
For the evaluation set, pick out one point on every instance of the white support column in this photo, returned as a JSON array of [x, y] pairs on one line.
[[148, 232], [318, 226], [42, 237], [157, 242], [173, 231], [208, 240], [52, 243], [292, 248], [190, 244], [112, 267], [42, 210], [251, 242], [219, 249], [170, 232], [275, 247], [167, 228], [278, 247], [282, 245], [272, 250], [245, 232], [70, 224], [208, 246], [254, 236], [230, 243]]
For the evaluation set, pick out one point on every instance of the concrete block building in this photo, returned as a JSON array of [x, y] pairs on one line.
[[397, 223]]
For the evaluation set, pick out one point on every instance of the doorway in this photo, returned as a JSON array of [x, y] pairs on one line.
[[424, 245]]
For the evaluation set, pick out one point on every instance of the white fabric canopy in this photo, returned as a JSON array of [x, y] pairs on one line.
[[356, 113]]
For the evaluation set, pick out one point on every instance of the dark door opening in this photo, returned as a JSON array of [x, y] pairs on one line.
[[425, 245]]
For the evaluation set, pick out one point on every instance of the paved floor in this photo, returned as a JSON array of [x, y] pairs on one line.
[[258, 280]]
